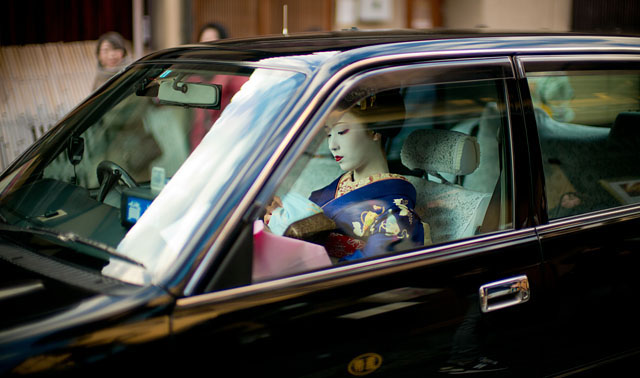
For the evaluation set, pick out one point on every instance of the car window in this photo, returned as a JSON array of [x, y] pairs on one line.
[[122, 184], [395, 165], [141, 132], [589, 129]]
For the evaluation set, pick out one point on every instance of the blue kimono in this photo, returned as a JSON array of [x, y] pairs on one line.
[[373, 219]]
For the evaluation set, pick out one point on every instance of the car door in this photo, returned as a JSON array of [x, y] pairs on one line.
[[586, 112], [468, 300]]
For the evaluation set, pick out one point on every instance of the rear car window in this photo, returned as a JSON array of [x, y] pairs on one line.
[[589, 130]]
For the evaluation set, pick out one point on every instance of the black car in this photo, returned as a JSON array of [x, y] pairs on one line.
[[402, 203]]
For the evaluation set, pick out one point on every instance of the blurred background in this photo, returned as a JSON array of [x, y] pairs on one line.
[[49, 48]]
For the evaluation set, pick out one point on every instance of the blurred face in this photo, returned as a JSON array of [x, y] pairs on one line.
[[109, 56], [209, 35], [352, 144]]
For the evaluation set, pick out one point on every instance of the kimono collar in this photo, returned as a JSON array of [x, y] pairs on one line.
[[347, 184]]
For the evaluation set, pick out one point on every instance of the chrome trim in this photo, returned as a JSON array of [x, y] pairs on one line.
[[264, 174], [327, 87], [590, 220], [474, 53], [20, 289], [240, 64], [576, 58], [504, 293], [519, 68], [511, 167], [524, 60], [341, 275], [456, 64], [593, 53]]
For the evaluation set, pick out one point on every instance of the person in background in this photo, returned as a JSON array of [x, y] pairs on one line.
[[112, 57], [212, 32], [205, 118]]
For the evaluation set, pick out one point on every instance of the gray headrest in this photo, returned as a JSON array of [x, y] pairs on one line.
[[441, 151]]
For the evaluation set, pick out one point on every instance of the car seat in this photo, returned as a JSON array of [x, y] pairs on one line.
[[452, 211]]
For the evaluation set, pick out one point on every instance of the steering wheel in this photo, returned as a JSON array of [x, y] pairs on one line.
[[109, 173]]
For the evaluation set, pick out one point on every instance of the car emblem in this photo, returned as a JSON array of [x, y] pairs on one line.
[[365, 364]]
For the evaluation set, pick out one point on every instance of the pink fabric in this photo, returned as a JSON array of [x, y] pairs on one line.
[[280, 256], [205, 118]]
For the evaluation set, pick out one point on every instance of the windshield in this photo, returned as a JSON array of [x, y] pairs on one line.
[[127, 176]]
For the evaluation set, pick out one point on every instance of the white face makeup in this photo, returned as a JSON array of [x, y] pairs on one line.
[[352, 145]]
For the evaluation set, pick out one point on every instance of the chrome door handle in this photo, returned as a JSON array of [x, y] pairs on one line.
[[504, 293]]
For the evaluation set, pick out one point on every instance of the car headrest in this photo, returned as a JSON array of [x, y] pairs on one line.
[[626, 128], [441, 151]]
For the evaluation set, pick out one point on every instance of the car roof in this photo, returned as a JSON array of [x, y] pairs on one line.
[[371, 43]]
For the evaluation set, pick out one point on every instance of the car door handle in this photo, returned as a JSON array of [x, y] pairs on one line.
[[504, 293]]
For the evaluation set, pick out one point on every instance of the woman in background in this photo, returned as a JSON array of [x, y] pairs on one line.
[[205, 118], [112, 57], [212, 32]]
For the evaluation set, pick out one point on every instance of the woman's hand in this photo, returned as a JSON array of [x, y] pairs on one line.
[[276, 203]]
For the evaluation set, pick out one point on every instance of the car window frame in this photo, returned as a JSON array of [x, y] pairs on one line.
[[592, 62], [303, 132]]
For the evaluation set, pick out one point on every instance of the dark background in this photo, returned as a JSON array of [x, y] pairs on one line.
[[606, 16], [42, 21], [24, 22]]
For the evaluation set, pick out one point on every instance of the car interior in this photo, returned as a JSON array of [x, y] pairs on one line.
[[589, 156], [450, 149]]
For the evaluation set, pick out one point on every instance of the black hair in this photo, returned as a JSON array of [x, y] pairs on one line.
[[116, 40], [384, 112]]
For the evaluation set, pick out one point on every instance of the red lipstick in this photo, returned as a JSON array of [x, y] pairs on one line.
[[338, 158]]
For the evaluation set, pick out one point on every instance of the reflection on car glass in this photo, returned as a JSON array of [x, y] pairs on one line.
[[70, 238]]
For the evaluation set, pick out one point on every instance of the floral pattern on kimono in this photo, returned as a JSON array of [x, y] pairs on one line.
[[373, 216]]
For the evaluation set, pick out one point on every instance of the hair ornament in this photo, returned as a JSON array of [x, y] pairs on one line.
[[367, 103]]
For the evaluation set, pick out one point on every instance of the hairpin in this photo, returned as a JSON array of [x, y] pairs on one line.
[[363, 103]]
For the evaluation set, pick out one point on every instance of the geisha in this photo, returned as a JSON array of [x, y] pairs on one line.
[[371, 207]]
